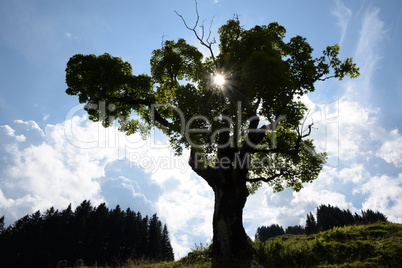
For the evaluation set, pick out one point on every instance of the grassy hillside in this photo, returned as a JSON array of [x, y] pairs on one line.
[[375, 245]]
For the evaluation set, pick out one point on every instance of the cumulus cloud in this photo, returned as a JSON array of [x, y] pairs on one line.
[[43, 170], [391, 148], [385, 195], [351, 133], [78, 159]]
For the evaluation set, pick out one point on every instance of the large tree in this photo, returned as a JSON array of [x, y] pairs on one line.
[[238, 112]]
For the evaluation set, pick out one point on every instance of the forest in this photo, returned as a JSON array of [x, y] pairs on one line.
[[327, 217], [96, 235]]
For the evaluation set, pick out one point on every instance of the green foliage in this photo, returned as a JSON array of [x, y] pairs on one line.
[[108, 87], [265, 76], [376, 245], [328, 217], [200, 255], [248, 130]]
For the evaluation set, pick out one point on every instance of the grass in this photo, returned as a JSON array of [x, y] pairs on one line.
[[375, 245]]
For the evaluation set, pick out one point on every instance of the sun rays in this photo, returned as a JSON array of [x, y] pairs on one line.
[[219, 80]]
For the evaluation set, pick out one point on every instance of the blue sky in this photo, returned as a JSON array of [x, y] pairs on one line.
[[51, 155]]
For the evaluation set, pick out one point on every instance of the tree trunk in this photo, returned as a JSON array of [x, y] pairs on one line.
[[231, 247]]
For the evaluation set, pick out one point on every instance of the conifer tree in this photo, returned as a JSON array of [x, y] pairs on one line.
[[265, 232], [94, 234], [297, 229], [311, 224], [167, 250], [155, 237]]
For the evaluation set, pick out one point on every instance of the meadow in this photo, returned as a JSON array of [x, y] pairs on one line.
[[374, 245]]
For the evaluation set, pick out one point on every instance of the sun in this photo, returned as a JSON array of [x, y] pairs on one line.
[[219, 80]]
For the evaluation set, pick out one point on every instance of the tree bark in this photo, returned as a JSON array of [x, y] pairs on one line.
[[231, 247]]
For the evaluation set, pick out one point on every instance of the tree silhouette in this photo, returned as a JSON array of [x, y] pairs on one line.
[[167, 250], [265, 232], [95, 234], [243, 130], [297, 229], [369, 216], [329, 217], [311, 224]]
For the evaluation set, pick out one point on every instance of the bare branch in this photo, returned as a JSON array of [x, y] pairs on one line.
[[163, 40], [309, 131], [326, 78], [209, 34], [208, 44], [275, 150], [269, 179]]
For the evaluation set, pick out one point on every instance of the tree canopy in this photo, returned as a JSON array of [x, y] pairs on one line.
[[245, 128], [256, 112]]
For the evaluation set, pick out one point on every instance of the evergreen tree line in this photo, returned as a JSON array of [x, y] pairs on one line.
[[327, 218], [97, 235]]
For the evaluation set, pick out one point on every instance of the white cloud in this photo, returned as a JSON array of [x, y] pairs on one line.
[[385, 195], [355, 173], [77, 159], [391, 148], [42, 170], [187, 206], [341, 128], [356, 123], [69, 35], [8, 131], [46, 117], [368, 52], [343, 15], [324, 190], [69, 162]]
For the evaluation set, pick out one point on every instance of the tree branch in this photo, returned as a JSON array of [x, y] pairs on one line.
[[293, 151], [205, 172], [263, 179], [208, 44], [128, 101]]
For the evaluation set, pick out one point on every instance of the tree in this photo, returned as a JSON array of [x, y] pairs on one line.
[[1, 224], [167, 250], [96, 234], [265, 232], [155, 239], [369, 216], [297, 229], [311, 224], [241, 130]]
